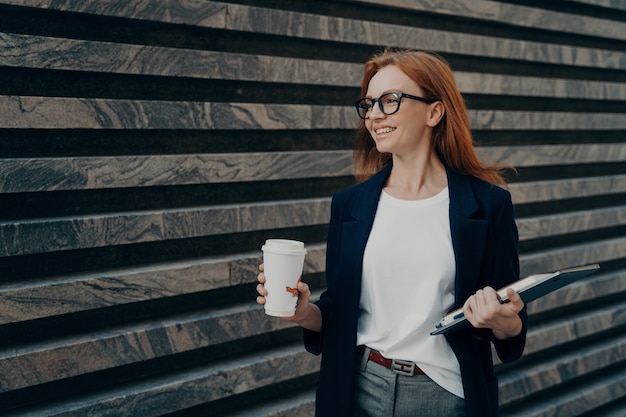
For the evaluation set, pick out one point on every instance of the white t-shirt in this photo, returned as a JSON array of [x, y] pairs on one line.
[[408, 285]]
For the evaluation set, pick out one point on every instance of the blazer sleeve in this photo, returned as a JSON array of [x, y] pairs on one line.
[[506, 270], [313, 341]]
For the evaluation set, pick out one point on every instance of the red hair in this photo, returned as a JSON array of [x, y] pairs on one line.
[[452, 137]]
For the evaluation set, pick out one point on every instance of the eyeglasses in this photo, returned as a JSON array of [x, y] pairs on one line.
[[388, 103]]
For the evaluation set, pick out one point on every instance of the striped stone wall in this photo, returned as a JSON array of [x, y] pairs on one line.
[[148, 148]]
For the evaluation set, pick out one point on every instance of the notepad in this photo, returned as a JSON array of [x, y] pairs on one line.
[[529, 289]]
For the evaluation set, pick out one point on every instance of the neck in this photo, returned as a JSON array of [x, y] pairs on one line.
[[415, 179]]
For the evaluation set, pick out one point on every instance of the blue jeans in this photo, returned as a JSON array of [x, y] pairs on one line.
[[379, 392]]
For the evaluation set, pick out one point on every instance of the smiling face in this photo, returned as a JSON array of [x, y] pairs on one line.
[[406, 132]]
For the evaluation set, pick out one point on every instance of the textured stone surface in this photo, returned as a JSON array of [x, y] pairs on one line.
[[77, 293], [73, 113], [49, 174], [578, 253], [594, 287], [68, 113], [123, 229], [547, 190]]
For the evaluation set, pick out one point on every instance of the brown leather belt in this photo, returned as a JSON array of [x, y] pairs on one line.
[[398, 366]]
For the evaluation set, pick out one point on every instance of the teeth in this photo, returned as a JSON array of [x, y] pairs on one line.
[[384, 130]]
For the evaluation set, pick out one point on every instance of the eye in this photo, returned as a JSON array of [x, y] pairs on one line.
[[389, 99]]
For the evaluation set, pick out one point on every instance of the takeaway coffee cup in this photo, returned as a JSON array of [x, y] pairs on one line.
[[283, 260]]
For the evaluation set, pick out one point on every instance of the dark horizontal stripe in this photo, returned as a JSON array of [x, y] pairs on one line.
[[612, 266], [85, 202], [554, 172], [548, 104], [567, 205], [469, 63], [50, 143], [547, 137], [552, 242], [24, 267], [57, 83]]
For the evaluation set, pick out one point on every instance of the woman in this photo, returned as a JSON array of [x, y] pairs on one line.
[[427, 230]]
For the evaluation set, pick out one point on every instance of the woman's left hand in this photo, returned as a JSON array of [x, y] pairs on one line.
[[484, 310]]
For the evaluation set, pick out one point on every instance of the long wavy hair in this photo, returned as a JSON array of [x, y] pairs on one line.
[[452, 137]]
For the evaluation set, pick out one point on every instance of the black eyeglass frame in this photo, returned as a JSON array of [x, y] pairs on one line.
[[398, 95]]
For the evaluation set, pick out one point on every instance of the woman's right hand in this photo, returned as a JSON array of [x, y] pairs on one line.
[[306, 315]]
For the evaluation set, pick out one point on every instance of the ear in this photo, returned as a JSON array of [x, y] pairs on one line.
[[435, 113]]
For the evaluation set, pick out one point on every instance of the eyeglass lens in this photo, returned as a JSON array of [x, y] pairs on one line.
[[387, 103]]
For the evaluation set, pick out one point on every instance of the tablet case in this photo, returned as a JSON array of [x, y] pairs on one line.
[[529, 289]]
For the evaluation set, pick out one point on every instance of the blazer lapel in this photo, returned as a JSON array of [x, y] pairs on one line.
[[357, 226], [468, 235]]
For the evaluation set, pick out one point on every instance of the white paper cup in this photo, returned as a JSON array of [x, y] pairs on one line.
[[283, 260]]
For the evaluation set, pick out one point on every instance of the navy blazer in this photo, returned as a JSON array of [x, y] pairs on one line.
[[485, 243]]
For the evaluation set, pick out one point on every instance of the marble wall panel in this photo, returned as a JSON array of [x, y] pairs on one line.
[[70, 294], [479, 83], [549, 190], [286, 23], [574, 222], [46, 362], [82, 173], [529, 120], [69, 113], [39, 236], [597, 286], [24, 301], [538, 155], [567, 329], [72, 113], [79, 55], [579, 253]]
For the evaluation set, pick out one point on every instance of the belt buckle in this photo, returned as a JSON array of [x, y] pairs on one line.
[[403, 367]]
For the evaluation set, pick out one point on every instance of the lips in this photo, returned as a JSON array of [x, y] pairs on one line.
[[383, 130]]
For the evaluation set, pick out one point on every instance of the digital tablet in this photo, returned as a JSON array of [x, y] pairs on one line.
[[529, 289]]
